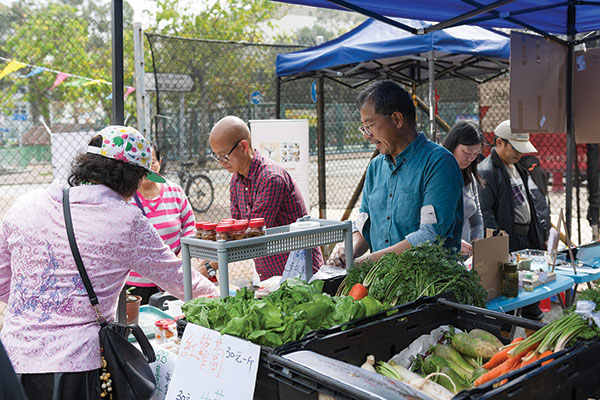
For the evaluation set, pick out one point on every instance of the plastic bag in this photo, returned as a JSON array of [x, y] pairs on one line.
[[420, 346]]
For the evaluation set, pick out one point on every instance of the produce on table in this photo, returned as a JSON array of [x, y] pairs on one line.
[[369, 363], [283, 316], [553, 337], [424, 270], [358, 291], [485, 335], [473, 346], [400, 373]]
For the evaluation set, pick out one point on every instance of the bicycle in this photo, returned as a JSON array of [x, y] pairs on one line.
[[197, 187]]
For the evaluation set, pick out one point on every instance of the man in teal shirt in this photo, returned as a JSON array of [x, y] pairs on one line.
[[413, 188]]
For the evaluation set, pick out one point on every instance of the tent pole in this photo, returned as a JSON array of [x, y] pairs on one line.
[[432, 97], [321, 147], [278, 98], [571, 147], [117, 62], [118, 105]]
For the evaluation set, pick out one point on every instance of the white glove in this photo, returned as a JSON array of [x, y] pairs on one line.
[[338, 256]]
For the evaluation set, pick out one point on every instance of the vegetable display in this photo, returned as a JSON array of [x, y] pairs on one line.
[[455, 363], [424, 270], [285, 315]]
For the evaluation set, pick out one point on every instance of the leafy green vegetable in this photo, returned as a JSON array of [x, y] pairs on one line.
[[592, 331], [424, 270], [285, 315]]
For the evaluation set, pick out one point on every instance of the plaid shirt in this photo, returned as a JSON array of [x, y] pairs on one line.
[[269, 192]]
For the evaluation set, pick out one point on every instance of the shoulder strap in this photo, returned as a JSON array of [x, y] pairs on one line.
[[75, 250], [139, 203]]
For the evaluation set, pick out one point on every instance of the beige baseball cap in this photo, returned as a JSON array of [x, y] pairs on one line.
[[520, 141]]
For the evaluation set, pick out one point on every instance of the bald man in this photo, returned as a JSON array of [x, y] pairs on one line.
[[259, 188]]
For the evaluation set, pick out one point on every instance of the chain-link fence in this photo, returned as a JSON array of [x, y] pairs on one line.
[[251, 68], [55, 82], [55, 77]]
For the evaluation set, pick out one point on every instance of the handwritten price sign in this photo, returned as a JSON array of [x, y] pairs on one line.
[[211, 366], [163, 370]]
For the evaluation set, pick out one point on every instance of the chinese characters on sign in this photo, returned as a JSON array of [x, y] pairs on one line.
[[209, 363]]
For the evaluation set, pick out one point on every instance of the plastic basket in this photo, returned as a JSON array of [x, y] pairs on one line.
[[383, 338]]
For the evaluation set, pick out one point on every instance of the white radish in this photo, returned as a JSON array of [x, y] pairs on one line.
[[369, 362], [424, 384]]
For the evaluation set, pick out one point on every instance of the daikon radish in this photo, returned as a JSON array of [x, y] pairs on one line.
[[424, 384], [369, 363]]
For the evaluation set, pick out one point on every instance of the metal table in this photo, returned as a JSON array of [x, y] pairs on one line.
[[277, 240]]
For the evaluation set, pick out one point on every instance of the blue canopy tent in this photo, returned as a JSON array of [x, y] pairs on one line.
[[374, 46], [563, 21], [375, 49]]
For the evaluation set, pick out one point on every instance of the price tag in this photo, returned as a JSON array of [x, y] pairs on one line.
[[211, 366], [163, 367]]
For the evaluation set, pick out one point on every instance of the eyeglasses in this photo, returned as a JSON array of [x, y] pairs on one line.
[[225, 158], [366, 129]]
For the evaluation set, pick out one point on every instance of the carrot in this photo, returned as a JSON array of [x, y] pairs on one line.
[[358, 291], [546, 354], [500, 370], [502, 355], [529, 358]]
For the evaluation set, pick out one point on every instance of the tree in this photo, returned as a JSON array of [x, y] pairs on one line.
[[71, 36], [223, 20]]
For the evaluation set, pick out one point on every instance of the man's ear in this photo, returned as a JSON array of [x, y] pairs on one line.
[[398, 119]]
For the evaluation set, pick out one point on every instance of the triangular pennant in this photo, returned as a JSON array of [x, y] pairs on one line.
[[128, 91], [60, 77], [35, 71], [11, 67], [95, 82], [77, 83]]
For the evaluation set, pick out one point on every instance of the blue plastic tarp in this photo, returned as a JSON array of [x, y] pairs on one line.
[[374, 40], [549, 16]]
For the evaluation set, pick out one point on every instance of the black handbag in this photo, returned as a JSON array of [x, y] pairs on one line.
[[125, 371]]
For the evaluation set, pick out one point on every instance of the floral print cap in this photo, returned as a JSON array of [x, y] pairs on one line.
[[126, 144]]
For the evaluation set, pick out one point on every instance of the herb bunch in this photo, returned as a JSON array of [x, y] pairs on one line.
[[424, 270]]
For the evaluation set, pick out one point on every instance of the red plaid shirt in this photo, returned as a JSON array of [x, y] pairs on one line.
[[269, 192]]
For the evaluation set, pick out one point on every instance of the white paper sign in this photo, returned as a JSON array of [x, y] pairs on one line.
[[286, 142], [163, 367], [212, 366]]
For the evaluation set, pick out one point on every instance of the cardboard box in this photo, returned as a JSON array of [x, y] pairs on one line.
[[586, 95], [537, 84], [489, 254]]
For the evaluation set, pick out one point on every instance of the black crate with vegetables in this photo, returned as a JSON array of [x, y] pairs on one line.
[[297, 310], [383, 339]]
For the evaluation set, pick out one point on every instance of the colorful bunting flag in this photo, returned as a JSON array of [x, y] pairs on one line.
[[35, 71], [60, 77], [11, 67], [95, 82], [128, 91], [77, 83]]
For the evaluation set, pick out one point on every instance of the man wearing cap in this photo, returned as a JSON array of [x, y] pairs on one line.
[[505, 201]]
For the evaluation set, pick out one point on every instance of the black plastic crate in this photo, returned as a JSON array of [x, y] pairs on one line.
[[268, 388], [574, 374], [383, 339]]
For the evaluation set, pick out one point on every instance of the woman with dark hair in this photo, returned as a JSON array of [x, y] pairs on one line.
[[168, 209], [51, 332], [465, 141]]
